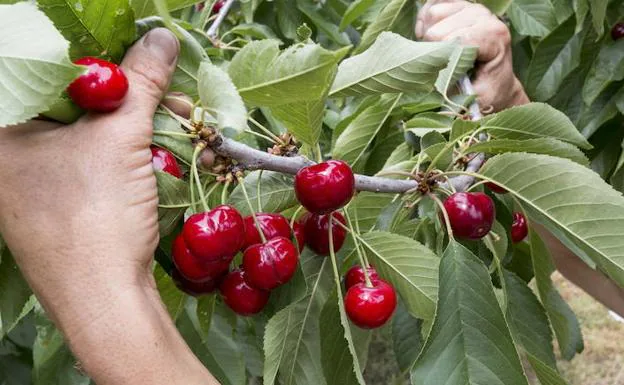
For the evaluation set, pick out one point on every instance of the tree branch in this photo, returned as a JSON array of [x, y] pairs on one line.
[[212, 31]]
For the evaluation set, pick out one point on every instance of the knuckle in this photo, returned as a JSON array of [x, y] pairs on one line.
[[501, 32]]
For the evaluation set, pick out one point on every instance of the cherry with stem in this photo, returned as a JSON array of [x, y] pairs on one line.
[[447, 221], [360, 254], [194, 170]]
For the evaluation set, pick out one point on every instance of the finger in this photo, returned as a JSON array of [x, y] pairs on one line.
[[491, 36], [465, 17], [149, 66], [179, 103], [439, 8]]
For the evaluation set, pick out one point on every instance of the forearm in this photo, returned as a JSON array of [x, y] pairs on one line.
[[132, 340]]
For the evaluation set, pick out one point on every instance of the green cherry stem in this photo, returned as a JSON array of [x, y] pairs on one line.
[[360, 255], [447, 222], [295, 215], [357, 227], [241, 182], [275, 138], [195, 171], [260, 135], [224, 192], [258, 190], [332, 255], [319, 153], [176, 134]]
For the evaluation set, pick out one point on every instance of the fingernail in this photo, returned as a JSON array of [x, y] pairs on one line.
[[419, 28], [162, 44]]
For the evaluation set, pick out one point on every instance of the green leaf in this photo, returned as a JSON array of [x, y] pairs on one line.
[[556, 57], [532, 17], [599, 12], [384, 21], [581, 9], [53, 362], [427, 122], [276, 192], [94, 28], [497, 6], [461, 61], [469, 342], [267, 77], [355, 10], [174, 193], [607, 68], [304, 119], [409, 266], [562, 318], [534, 120], [192, 54], [34, 66], [292, 339], [357, 137], [172, 297], [367, 206], [181, 147], [259, 31], [219, 96], [315, 12], [145, 8], [406, 337], [571, 201], [392, 64], [546, 146], [14, 294], [546, 374], [601, 111]]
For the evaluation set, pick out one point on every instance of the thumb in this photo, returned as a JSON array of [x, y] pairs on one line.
[[149, 66]]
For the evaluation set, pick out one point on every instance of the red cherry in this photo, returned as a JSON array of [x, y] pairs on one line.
[[325, 187], [618, 31], [316, 229], [272, 225], [218, 5], [299, 235], [355, 275], [519, 228], [102, 88], [240, 297], [193, 268], [370, 307], [496, 188], [163, 160], [216, 234], [196, 288], [271, 264], [471, 214]]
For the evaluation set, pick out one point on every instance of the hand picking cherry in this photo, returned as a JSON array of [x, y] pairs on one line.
[[519, 228], [471, 214], [194, 268], [240, 297], [370, 307], [196, 289], [270, 264], [325, 187], [163, 160], [316, 230], [216, 234], [272, 225], [356, 275], [102, 88]]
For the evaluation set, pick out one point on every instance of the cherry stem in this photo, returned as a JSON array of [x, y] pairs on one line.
[[295, 215], [241, 183], [319, 153], [198, 149], [332, 255], [275, 138], [476, 185], [258, 190], [260, 135], [357, 227], [447, 222], [224, 192], [360, 255], [176, 134]]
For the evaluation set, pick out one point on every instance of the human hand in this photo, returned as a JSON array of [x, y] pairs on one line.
[[495, 84], [78, 209]]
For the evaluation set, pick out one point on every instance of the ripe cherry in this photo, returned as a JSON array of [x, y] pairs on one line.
[[316, 229], [193, 268], [218, 5], [216, 234], [272, 225], [356, 275], [102, 88], [196, 288], [618, 31], [299, 235], [271, 264], [240, 297], [370, 307], [325, 187], [496, 188], [163, 160], [471, 214], [519, 228]]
